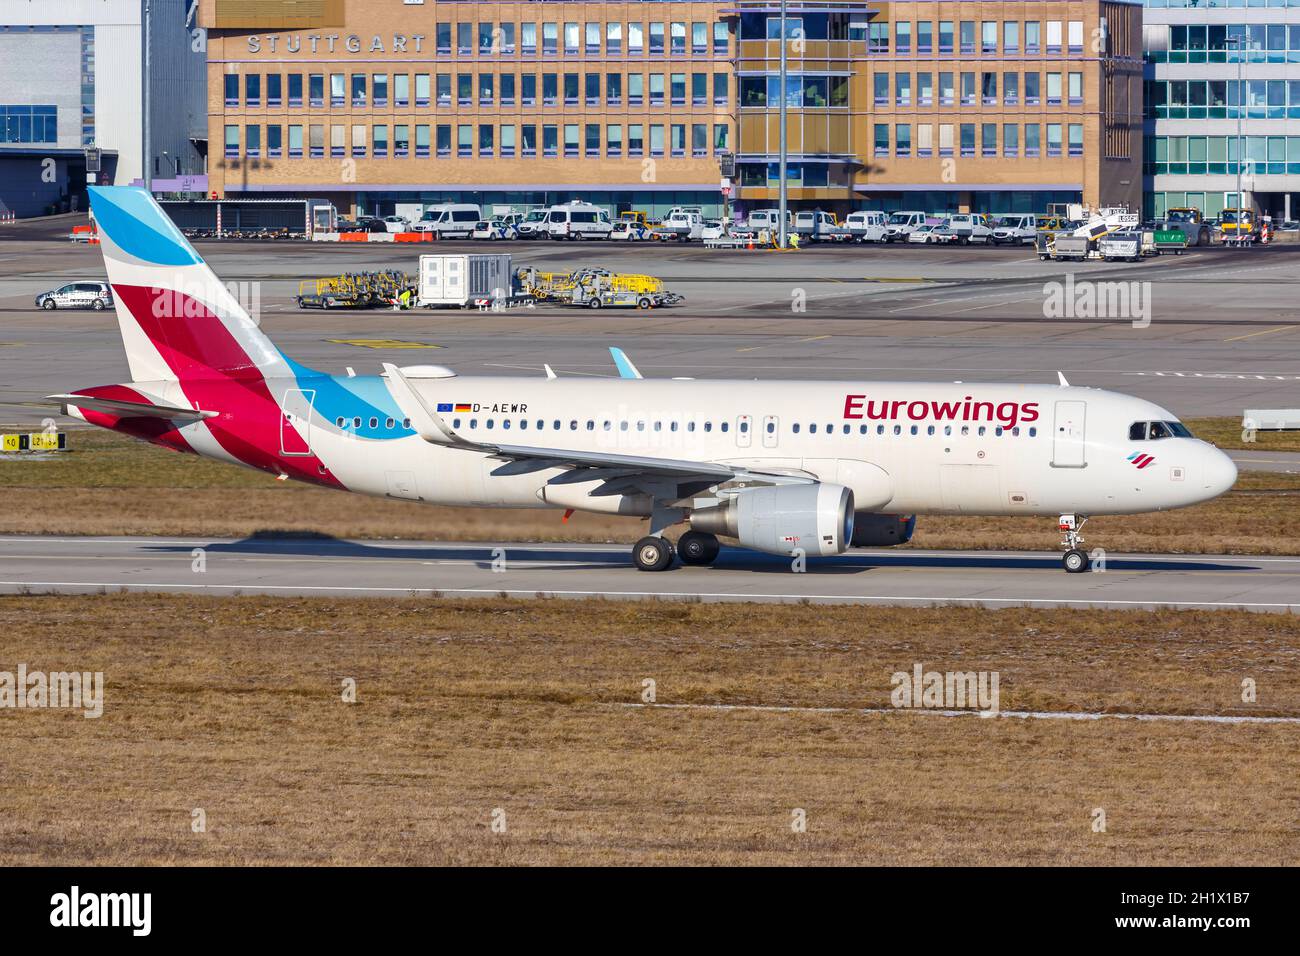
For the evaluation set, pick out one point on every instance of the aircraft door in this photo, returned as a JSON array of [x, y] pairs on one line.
[[744, 431], [295, 421], [771, 431], [1068, 448]]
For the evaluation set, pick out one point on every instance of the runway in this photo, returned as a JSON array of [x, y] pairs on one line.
[[322, 566]]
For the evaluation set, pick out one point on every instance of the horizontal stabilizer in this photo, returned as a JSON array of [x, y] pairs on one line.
[[111, 406]]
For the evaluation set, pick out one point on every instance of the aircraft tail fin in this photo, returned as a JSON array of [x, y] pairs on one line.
[[178, 320]]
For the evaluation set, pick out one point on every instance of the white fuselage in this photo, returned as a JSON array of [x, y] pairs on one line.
[[905, 448]]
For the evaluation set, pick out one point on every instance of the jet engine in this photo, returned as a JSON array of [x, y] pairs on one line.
[[780, 519], [871, 530]]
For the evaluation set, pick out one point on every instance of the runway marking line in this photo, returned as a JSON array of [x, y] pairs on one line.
[[1280, 328], [933, 600], [986, 715]]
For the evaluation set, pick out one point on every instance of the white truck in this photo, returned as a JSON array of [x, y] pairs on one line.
[[866, 225], [967, 227], [464, 281], [900, 225], [681, 225], [819, 226]]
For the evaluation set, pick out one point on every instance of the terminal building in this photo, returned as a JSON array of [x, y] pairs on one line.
[[70, 77], [927, 104], [1224, 85]]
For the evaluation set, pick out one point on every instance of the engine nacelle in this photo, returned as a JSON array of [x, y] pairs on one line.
[[780, 519], [872, 530]]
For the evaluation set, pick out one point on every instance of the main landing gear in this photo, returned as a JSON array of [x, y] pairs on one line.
[[655, 553], [1075, 560]]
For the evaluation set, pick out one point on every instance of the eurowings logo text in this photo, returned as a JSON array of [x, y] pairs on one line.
[[1141, 460], [964, 410]]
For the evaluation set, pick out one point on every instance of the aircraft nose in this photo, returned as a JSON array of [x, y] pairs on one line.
[[1220, 473]]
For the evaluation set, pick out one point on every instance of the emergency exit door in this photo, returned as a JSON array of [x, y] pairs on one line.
[[1068, 447], [295, 422]]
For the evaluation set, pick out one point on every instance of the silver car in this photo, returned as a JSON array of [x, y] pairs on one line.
[[78, 295]]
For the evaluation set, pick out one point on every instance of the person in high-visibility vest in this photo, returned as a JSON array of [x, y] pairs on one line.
[[793, 239], [405, 298]]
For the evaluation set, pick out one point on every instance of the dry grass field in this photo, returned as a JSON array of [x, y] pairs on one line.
[[233, 706], [113, 485]]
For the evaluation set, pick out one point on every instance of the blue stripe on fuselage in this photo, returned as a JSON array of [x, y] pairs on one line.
[[349, 398]]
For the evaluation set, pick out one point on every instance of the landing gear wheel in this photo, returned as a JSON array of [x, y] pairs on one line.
[[653, 553], [1075, 561], [695, 547]]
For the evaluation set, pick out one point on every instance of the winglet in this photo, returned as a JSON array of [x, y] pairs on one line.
[[428, 424], [1061, 377], [625, 367], [550, 372]]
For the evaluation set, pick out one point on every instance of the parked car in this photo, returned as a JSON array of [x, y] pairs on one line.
[[494, 229], [866, 225], [578, 220], [968, 227], [396, 224], [924, 233], [1015, 229], [449, 220], [625, 230], [901, 224], [78, 295]]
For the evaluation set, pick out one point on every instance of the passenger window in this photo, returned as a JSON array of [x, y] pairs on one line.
[[374, 422], [622, 426], [898, 429], [929, 430], [708, 426], [744, 427], [455, 423], [640, 426], [672, 426], [1137, 431], [846, 429], [880, 429], [339, 422], [608, 425], [812, 429], [771, 428], [523, 424], [965, 430], [556, 424], [473, 423], [998, 431], [914, 430], [489, 423], [406, 423], [982, 430], [356, 423], [505, 423], [690, 426], [724, 426], [795, 428], [1032, 431], [389, 423]]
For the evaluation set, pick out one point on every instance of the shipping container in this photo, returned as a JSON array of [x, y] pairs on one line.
[[462, 280]]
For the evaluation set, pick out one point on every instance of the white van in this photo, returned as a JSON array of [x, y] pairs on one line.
[[901, 224], [578, 220], [968, 227], [866, 225], [532, 225], [681, 225], [453, 220], [1020, 228]]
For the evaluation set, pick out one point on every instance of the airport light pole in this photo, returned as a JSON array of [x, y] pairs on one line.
[[147, 144], [1240, 43], [781, 163]]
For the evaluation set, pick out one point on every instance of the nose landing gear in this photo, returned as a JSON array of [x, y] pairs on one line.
[[1075, 560]]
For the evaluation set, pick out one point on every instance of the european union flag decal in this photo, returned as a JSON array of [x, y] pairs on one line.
[[444, 406]]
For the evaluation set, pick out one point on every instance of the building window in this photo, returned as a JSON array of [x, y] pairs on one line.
[[967, 36], [636, 140], [273, 89], [1031, 139], [591, 140], [379, 89], [721, 96], [989, 88], [253, 90], [1010, 140], [528, 139], [358, 90], [1011, 38], [232, 140], [1075, 37], [678, 133], [1053, 89], [1053, 37], [231, 82], [422, 139], [613, 39], [295, 142], [507, 89], [274, 144], [550, 140], [1010, 89], [1033, 33], [316, 145], [571, 39], [614, 140], [591, 89], [358, 140], [1075, 89], [550, 39], [945, 36], [699, 38], [635, 39], [401, 140], [442, 37], [721, 39], [464, 89], [1075, 132], [656, 139], [338, 90], [422, 89], [464, 140], [592, 39], [379, 141], [486, 140], [613, 89], [678, 37], [656, 38], [1031, 89], [699, 139], [989, 140], [903, 140], [528, 39], [903, 38], [487, 39], [570, 89], [989, 37], [678, 88], [486, 90], [881, 140], [570, 139], [507, 141], [464, 39], [967, 139], [295, 90], [635, 89]]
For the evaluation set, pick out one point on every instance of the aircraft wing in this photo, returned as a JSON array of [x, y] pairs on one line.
[[619, 471], [124, 409]]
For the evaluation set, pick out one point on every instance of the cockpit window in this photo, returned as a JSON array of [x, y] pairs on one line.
[[1152, 431]]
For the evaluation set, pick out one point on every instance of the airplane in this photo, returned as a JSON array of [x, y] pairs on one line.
[[796, 468]]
